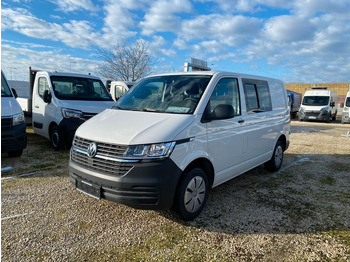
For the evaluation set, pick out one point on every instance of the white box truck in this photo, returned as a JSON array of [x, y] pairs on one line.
[[319, 104], [61, 102], [13, 126], [173, 137], [345, 118]]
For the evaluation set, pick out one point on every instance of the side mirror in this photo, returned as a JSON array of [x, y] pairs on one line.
[[221, 112], [341, 105], [332, 104], [47, 97], [14, 92]]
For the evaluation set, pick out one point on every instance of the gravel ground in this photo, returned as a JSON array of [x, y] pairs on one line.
[[301, 213]]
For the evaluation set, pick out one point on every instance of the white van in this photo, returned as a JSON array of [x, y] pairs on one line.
[[63, 101], [346, 110], [172, 137], [13, 126], [319, 104], [119, 88]]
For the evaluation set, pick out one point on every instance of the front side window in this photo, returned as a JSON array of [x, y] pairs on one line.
[[315, 100], [79, 88], [42, 86], [177, 94], [226, 92]]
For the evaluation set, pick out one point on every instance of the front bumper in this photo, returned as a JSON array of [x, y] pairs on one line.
[[14, 138], [314, 115], [345, 117], [69, 126], [146, 185]]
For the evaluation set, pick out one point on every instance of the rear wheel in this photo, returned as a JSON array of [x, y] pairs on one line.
[[192, 194], [275, 163]]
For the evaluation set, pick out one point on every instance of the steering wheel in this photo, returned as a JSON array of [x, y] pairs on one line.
[[191, 99]]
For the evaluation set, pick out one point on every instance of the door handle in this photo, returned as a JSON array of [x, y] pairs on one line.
[[36, 106], [241, 121]]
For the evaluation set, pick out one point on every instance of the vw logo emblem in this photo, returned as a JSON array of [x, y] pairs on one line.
[[92, 150]]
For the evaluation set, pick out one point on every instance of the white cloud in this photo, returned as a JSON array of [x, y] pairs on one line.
[[78, 34], [73, 5], [162, 16], [288, 28], [228, 29], [18, 60]]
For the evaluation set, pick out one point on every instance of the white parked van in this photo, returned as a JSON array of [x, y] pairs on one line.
[[346, 110], [119, 88], [60, 102], [13, 126], [319, 104], [172, 137]]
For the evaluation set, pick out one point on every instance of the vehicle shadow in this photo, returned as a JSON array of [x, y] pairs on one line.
[[309, 194]]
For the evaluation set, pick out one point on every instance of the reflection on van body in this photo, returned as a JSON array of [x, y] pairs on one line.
[[172, 137]]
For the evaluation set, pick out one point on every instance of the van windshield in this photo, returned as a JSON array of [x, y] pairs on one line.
[[5, 89], [347, 102], [79, 88], [177, 94], [315, 100]]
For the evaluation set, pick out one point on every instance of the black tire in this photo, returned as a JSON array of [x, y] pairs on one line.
[[192, 194], [57, 138], [16, 153], [275, 163]]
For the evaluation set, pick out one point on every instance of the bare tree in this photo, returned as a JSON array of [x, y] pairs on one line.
[[126, 61]]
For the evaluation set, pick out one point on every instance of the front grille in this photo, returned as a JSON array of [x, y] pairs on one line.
[[312, 113], [6, 123], [107, 159]]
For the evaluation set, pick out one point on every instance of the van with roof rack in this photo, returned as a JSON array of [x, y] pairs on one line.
[[173, 137], [60, 102]]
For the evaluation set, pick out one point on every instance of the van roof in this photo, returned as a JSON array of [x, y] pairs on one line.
[[69, 74], [219, 73]]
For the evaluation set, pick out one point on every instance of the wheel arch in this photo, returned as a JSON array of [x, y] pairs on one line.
[[204, 164]]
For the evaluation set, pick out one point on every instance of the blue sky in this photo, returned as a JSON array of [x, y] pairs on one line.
[[302, 41]]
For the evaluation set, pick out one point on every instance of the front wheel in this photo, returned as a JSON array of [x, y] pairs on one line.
[[275, 163], [57, 139], [192, 194]]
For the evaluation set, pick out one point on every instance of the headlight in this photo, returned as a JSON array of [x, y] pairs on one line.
[[154, 151], [71, 113], [18, 119], [324, 111]]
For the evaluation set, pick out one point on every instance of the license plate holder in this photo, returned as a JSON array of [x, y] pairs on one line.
[[311, 117], [88, 188]]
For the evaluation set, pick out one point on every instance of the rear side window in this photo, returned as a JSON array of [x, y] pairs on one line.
[[257, 95]]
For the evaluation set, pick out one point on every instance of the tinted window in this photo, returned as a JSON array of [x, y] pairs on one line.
[[79, 88], [226, 93], [5, 89], [42, 86], [347, 102], [178, 94], [257, 95]]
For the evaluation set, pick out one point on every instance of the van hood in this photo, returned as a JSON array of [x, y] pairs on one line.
[[87, 106], [133, 127], [10, 106]]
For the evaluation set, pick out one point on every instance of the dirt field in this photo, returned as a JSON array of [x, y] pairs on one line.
[[301, 213]]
